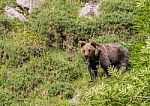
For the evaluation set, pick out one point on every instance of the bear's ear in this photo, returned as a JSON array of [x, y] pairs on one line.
[[93, 44], [82, 43]]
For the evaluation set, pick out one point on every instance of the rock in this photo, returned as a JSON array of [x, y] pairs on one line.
[[13, 13], [89, 9], [27, 3], [75, 100]]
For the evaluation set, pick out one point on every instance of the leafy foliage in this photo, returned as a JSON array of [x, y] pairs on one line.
[[61, 24], [34, 70], [142, 17]]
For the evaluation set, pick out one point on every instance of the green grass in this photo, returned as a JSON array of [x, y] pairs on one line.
[[35, 70]]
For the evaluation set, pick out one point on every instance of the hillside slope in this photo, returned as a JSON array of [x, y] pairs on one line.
[[41, 64]]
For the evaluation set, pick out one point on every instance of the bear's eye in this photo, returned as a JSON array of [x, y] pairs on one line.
[[89, 50], [83, 51]]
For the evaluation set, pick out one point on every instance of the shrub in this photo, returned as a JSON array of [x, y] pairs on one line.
[[34, 73], [14, 56], [5, 26], [6, 98], [119, 6], [63, 89], [61, 26], [142, 17]]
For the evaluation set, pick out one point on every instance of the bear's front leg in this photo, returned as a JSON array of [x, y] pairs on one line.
[[92, 70]]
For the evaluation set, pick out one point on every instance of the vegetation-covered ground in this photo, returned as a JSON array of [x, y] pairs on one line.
[[41, 64]]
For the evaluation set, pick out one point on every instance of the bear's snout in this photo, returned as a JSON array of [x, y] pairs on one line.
[[86, 56]]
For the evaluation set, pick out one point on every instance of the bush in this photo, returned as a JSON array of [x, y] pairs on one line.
[[63, 89], [142, 17], [14, 56], [118, 6], [46, 68], [6, 98], [61, 26], [5, 26]]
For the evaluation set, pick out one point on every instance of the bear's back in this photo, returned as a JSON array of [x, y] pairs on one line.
[[113, 51]]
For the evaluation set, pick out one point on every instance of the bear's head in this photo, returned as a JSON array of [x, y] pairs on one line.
[[88, 49]]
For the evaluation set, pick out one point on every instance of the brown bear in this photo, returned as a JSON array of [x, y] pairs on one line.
[[104, 55]]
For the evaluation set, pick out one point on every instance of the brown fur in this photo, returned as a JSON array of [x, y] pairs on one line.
[[105, 55]]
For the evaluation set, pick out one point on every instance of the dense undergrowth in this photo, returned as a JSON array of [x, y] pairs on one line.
[[41, 64]]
